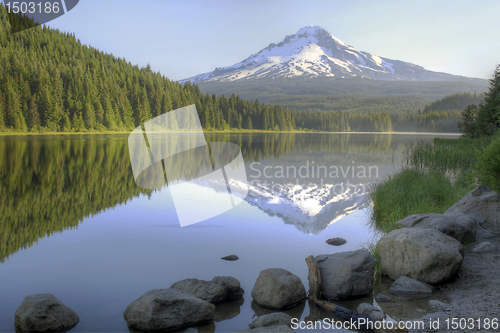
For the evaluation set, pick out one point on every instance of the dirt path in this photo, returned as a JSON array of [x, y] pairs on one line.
[[475, 293]]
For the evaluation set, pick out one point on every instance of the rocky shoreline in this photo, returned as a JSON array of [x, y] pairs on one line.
[[455, 253]]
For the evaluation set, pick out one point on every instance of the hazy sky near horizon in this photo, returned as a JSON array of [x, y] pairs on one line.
[[185, 38]]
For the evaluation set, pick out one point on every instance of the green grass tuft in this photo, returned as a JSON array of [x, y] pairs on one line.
[[434, 177]]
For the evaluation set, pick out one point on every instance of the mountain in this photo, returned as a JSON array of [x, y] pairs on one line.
[[314, 52]]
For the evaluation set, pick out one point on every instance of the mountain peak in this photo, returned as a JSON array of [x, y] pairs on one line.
[[315, 52], [311, 29]]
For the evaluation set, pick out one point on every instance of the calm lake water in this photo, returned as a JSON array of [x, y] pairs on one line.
[[75, 224]]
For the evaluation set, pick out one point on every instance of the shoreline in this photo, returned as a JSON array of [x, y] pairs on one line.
[[473, 292], [3, 134]]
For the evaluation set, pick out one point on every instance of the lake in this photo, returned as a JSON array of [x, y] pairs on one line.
[[75, 224]]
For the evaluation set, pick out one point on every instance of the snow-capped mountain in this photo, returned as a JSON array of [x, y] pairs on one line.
[[314, 52]]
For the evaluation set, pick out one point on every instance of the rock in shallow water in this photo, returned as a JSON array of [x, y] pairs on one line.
[[44, 313], [269, 329], [337, 241], [220, 289], [277, 318], [231, 257], [346, 274], [277, 288], [371, 311], [381, 298], [408, 286], [167, 309]]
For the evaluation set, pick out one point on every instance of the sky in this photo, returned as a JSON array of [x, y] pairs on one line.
[[186, 38]]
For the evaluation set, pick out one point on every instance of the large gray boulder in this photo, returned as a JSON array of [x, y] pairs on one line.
[[459, 226], [167, 309], [346, 274], [481, 200], [408, 286], [426, 255], [276, 318], [44, 313], [220, 289], [277, 288]]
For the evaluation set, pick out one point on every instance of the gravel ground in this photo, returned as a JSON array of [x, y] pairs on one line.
[[474, 295]]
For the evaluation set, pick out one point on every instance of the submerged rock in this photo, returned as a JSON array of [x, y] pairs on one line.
[[277, 288], [44, 313], [337, 241], [269, 329], [277, 318], [381, 298], [408, 286], [167, 309], [371, 311], [231, 257], [423, 254], [220, 289], [346, 274], [462, 227]]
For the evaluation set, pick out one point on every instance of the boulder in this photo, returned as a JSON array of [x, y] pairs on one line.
[[220, 289], [337, 241], [44, 313], [232, 286], [231, 257], [277, 288], [277, 318], [459, 226], [346, 274], [484, 247], [269, 329], [371, 311], [423, 254], [482, 200], [408, 286], [167, 309]]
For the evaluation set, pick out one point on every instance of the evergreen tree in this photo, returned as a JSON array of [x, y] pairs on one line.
[[33, 119], [89, 115], [488, 116]]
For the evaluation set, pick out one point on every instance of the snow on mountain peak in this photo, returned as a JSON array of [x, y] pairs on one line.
[[313, 52]]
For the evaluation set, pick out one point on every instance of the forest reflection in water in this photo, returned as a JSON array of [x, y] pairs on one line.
[[51, 183]]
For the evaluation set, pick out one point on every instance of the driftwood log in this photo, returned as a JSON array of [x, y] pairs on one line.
[[338, 311]]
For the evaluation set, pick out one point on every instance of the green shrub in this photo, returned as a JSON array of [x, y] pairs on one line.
[[488, 165]]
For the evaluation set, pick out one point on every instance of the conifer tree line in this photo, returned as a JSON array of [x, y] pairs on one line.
[[49, 81], [458, 101]]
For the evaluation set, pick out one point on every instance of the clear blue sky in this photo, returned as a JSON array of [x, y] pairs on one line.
[[185, 38]]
